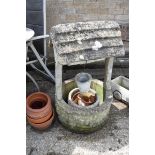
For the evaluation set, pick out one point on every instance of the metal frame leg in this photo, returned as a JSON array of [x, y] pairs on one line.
[[33, 80], [27, 51], [41, 62], [42, 72]]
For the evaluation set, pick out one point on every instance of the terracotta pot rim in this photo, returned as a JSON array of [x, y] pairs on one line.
[[40, 114], [41, 109], [40, 120], [76, 90], [44, 125]]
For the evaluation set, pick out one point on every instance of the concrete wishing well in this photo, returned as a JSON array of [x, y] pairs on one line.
[[80, 43]]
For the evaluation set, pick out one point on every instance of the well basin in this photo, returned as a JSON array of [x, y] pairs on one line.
[[83, 120]]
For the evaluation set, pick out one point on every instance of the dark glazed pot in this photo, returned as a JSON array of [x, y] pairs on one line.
[[39, 110]]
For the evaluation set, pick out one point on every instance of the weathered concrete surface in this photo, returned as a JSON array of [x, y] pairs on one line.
[[84, 120], [111, 139], [73, 40]]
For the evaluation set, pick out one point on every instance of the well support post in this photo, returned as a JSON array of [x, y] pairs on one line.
[[58, 79]]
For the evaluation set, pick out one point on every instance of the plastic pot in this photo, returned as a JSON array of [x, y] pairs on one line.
[[83, 81]]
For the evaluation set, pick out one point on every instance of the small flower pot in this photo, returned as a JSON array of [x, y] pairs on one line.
[[83, 81], [39, 110], [38, 105], [40, 120], [44, 125]]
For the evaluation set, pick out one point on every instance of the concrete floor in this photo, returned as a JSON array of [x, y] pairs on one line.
[[112, 139]]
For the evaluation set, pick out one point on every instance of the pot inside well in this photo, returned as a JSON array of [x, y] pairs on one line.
[[78, 99]]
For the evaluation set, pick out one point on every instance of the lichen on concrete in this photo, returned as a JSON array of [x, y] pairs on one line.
[[106, 36], [83, 120], [74, 39]]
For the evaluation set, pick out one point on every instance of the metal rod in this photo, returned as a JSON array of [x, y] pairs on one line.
[[44, 19], [26, 50], [33, 61], [41, 62], [40, 37], [33, 80], [34, 67]]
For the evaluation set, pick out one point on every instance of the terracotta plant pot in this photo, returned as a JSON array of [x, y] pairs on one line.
[[40, 120], [38, 105], [39, 110], [44, 125], [75, 92], [39, 115]]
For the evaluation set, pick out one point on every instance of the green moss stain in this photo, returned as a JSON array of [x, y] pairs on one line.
[[99, 90]]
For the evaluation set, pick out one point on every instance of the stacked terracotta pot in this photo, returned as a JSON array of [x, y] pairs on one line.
[[39, 110]]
